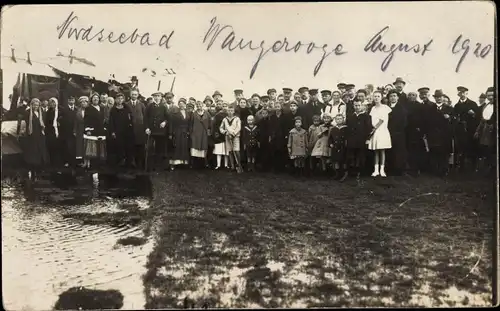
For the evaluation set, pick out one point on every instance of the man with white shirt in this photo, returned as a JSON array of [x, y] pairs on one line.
[[486, 132], [138, 110], [467, 114]]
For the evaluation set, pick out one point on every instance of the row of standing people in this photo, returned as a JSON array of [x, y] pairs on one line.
[[119, 132]]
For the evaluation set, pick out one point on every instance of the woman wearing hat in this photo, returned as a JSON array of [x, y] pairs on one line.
[[95, 133], [200, 130], [207, 101], [32, 137], [179, 127]]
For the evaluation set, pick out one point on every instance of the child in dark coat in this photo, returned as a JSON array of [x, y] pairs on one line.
[[358, 132], [251, 142], [338, 144]]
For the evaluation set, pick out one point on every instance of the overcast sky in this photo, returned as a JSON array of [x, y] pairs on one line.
[[200, 72]]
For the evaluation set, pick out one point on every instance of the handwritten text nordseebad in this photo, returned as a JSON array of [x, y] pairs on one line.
[[224, 37]]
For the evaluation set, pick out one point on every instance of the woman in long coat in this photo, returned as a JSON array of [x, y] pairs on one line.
[[52, 133], [179, 133], [219, 138], [79, 129], [200, 131], [95, 134], [32, 137], [121, 133]]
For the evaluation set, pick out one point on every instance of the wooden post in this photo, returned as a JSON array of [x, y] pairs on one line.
[[172, 86]]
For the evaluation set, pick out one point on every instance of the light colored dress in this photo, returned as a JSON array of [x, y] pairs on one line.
[[321, 147], [381, 139]]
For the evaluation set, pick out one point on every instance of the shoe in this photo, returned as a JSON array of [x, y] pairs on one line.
[[382, 173], [217, 168], [375, 174]]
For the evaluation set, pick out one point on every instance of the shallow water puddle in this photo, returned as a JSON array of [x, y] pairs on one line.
[[52, 239], [309, 279]]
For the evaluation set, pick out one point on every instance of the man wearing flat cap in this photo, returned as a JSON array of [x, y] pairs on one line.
[[341, 88], [439, 134], [238, 94], [156, 123], [138, 110], [287, 97], [272, 95], [312, 107], [326, 96], [468, 116]]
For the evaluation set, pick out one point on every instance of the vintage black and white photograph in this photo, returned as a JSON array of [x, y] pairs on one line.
[[249, 155]]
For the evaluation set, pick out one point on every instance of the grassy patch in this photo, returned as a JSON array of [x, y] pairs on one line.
[[131, 240], [268, 240]]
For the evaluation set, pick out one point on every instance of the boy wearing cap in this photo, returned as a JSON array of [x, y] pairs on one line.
[[156, 120], [272, 94], [468, 116]]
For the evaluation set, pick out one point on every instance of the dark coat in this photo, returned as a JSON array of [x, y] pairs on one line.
[[466, 125], [250, 138], [67, 119], [137, 114], [120, 123], [415, 123], [217, 121], [279, 130], [308, 110], [33, 146], [179, 127], [398, 120], [358, 130], [79, 130], [155, 115], [243, 113], [94, 121], [438, 129], [337, 139]]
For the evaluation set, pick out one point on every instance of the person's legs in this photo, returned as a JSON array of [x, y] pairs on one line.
[[376, 163], [382, 163]]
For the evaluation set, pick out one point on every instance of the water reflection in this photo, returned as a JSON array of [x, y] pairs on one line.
[[60, 231]]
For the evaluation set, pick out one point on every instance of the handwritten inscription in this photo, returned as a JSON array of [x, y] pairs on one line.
[[89, 34], [231, 43], [480, 51], [376, 44], [224, 38]]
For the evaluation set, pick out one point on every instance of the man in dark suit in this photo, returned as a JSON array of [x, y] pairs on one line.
[[468, 115], [155, 122], [67, 119], [438, 131], [414, 134], [350, 91], [312, 107], [398, 120]]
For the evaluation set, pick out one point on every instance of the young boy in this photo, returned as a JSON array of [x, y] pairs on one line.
[[337, 142], [251, 142], [358, 132], [231, 128], [297, 145]]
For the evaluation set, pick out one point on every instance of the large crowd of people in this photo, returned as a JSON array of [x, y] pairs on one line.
[[340, 133]]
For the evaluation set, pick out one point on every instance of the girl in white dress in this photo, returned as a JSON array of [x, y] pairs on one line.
[[380, 139]]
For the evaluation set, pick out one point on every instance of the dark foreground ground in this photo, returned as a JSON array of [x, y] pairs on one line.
[[263, 240]]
